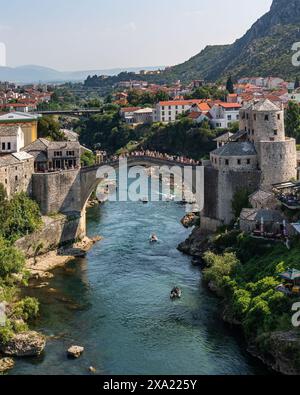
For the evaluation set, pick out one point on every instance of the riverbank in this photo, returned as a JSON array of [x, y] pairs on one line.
[[40, 267], [24, 342], [248, 293]]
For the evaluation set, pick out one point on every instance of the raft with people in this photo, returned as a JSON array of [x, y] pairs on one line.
[[176, 293]]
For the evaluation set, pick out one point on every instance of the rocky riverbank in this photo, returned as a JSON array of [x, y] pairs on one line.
[[278, 350], [30, 343], [41, 266]]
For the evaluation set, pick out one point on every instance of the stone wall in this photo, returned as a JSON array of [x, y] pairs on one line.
[[57, 192], [278, 162], [55, 232], [228, 184], [17, 176]]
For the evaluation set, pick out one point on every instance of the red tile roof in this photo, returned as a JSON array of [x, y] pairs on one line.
[[180, 102], [230, 105]]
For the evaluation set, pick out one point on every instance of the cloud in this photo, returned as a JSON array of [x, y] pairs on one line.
[[5, 28], [130, 27], [190, 14]]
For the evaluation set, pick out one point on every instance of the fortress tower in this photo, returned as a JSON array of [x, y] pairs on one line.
[[256, 158], [277, 156]]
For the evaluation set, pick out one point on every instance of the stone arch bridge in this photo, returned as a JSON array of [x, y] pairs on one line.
[[68, 191]]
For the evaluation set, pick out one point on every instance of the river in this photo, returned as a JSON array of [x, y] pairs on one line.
[[116, 304]]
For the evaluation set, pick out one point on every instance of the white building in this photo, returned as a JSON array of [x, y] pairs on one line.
[[224, 114], [144, 115], [11, 139], [168, 111]]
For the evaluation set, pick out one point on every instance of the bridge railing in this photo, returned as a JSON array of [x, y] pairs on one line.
[[144, 158]]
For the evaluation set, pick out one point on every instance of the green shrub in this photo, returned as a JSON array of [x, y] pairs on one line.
[[6, 332], [26, 309], [11, 260], [21, 217], [219, 266]]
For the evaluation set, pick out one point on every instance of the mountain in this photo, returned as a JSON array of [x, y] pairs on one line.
[[266, 49], [33, 73]]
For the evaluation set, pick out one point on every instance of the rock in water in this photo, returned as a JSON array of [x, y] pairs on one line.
[[92, 370], [27, 344], [75, 351], [189, 220], [6, 364]]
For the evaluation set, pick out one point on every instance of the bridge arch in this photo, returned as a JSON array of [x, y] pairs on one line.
[[89, 176]]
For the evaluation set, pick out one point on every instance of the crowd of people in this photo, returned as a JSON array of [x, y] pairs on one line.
[[154, 154]]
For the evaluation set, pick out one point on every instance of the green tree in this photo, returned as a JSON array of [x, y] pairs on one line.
[[292, 120], [22, 216], [229, 85], [240, 201], [49, 128], [88, 159], [11, 260]]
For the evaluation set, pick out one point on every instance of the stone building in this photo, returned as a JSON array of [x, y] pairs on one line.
[[54, 155], [16, 172], [258, 157], [28, 123], [11, 139]]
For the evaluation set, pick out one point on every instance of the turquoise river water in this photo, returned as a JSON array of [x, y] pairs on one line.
[[116, 304]]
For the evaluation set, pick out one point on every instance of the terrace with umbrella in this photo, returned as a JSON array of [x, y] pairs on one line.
[[291, 284]]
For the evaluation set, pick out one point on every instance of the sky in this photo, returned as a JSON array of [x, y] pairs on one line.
[[74, 35]]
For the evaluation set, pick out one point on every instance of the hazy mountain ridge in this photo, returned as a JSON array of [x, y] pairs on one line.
[[34, 73]]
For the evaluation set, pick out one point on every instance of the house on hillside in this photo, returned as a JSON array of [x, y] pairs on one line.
[[224, 114]]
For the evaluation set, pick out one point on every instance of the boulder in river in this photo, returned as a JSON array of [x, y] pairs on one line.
[[6, 364], [75, 351], [190, 220], [26, 344]]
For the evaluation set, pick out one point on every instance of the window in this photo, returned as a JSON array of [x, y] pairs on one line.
[[163, 119], [163, 107], [229, 117], [239, 162], [247, 116], [3, 146], [278, 117], [248, 161], [170, 113], [266, 117], [275, 132], [254, 117], [170, 119], [227, 162], [57, 153], [170, 107], [16, 178], [5, 180], [70, 153], [8, 146]]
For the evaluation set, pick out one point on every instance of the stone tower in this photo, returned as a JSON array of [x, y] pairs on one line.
[[277, 157]]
